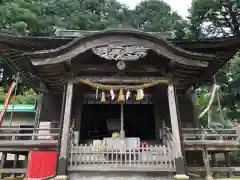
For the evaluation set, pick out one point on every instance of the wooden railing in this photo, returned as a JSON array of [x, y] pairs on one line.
[[211, 134], [7, 134], [212, 139], [26, 138], [148, 158]]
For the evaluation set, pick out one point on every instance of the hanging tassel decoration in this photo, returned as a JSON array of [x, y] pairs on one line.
[[97, 93], [112, 94], [138, 97], [128, 94], [103, 98], [140, 94], [121, 97]]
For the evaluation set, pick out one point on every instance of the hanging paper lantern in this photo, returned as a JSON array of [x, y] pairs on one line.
[[103, 98], [121, 97]]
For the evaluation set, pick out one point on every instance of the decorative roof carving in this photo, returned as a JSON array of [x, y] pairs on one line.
[[123, 53]]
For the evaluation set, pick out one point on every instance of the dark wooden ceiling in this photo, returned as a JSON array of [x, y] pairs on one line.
[[27, 54]]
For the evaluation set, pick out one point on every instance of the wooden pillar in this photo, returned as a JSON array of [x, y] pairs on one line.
[[63, 155], [179, 161]]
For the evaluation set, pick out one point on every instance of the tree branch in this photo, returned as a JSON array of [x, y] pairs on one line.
[[233, 16]]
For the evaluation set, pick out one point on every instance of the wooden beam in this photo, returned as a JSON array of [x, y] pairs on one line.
[[63, 156], [179, 161]]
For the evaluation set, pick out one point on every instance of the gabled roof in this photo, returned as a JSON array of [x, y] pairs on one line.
[[45, 60]]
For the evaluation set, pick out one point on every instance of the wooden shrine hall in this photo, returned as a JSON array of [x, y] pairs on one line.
[[116, 100]]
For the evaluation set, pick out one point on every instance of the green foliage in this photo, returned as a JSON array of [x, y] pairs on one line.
[[22, 17], [39, 17], [88, 14], [157, 16], [215, 17], [28, 96]]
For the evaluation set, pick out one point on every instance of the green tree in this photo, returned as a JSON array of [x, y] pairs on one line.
[[157, 16], [213, 18], [88, 14], [216, 18], [26, 17]]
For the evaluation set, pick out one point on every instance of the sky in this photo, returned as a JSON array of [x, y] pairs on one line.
[[181, 6]]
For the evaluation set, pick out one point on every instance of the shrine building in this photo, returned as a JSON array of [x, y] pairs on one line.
[[115, 100]]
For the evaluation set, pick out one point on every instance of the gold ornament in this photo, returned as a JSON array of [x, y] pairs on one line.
[[103, 98], [121, 97]]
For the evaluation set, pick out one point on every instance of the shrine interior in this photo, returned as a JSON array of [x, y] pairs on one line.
[[138, 121], [96, 120]]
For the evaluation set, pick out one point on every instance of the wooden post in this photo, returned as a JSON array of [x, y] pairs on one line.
[[207, 164], [15, 161], [25, 164], [63, 155], [3, 159], [228, 161], [238, 133], [179, 161], [122, 132], [214, 161]]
